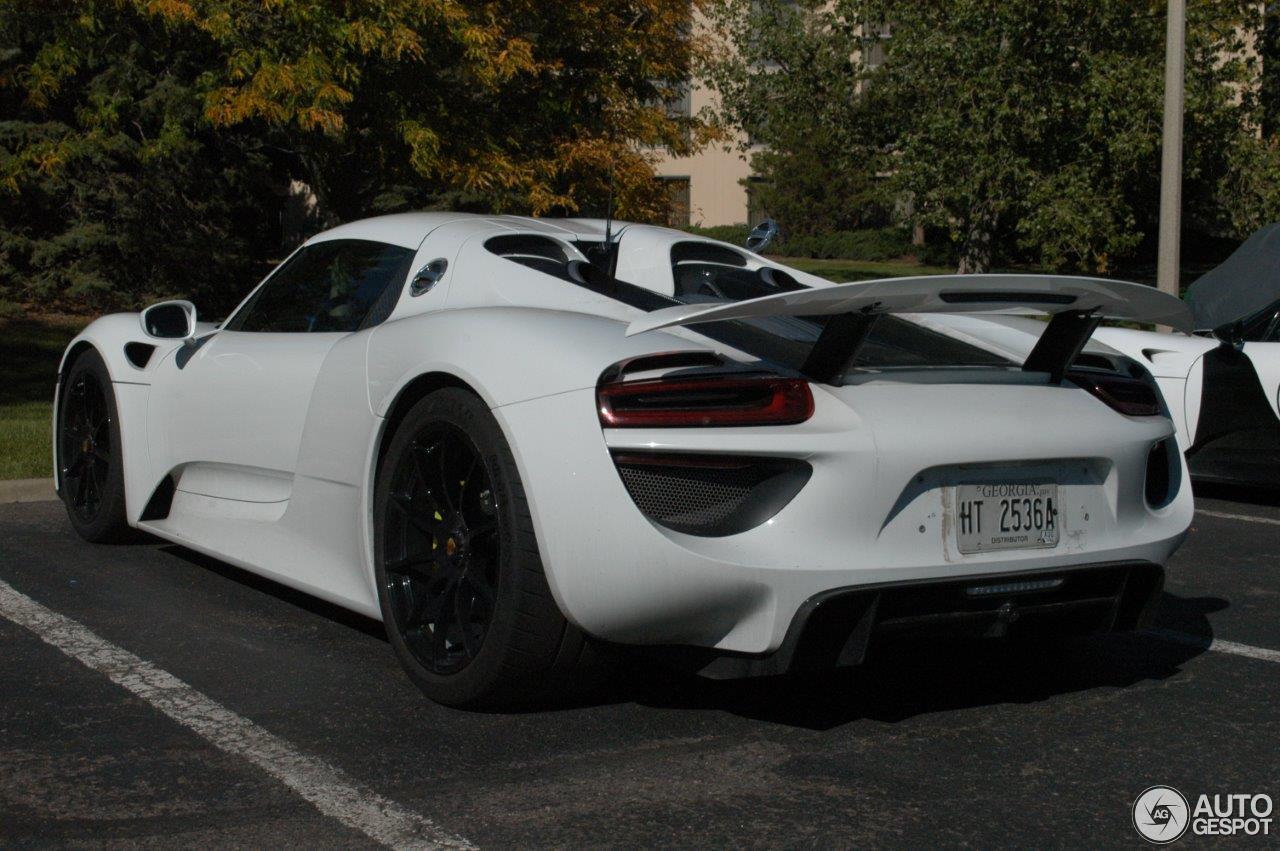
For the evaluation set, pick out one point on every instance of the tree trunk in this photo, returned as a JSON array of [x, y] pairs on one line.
[[976, 249]]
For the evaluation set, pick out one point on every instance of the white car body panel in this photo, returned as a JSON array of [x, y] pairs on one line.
[[1176, 361], [272, 443]]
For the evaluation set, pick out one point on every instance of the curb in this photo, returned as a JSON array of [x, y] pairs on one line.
[[27, 490]]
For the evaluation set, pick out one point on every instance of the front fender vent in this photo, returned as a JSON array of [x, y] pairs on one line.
[[708, 495], [139, 354]]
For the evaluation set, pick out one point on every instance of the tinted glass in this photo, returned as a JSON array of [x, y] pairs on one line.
[[713, 281], [340, 285], [702, 277]]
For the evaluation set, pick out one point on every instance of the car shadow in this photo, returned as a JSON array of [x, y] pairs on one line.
[[284, 593], [902, 682], [895, 684], [1250, 494]]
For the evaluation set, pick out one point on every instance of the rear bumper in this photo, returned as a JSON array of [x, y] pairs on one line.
[[876, 512], [838, 628]]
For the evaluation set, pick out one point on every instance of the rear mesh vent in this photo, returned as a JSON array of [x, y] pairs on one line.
[[711, 496]]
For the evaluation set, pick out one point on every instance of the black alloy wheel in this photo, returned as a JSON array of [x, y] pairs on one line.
[[86, 449], [90, 461], [460, 581], [441, 548]]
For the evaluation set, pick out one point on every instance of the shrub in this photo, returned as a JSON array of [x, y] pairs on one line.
[[732, 234], [869, 244], [866, 244]]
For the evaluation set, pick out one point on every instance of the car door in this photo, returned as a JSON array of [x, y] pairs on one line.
[[227, 413], [1262, 347]]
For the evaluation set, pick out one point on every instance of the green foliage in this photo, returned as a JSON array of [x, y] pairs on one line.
[[145, 145], [791, 78], [869, 244], [1025, 131], [1251, 184], [887, 243], [112, 188], [732, 234]]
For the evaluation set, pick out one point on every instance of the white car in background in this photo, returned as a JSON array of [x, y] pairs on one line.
[[517, 441], [1223, 383]]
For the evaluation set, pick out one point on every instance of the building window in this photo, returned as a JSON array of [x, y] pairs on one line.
[[677, 201], [877, 33], [756, 213], [680, 110]]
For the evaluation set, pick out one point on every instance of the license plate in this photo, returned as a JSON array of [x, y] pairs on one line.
[[1006, 517]]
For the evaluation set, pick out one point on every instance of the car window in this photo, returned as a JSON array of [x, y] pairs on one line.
[[338, 285], [715, 282], [1263, 326]]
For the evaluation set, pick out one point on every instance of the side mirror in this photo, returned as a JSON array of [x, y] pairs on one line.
[[761, 235], [170, 320], [1230, 334]]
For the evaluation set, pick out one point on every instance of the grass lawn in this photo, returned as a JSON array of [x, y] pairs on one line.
[[29, 353], [842, 271]]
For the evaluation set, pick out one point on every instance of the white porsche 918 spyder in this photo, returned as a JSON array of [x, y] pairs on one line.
[[1222, 384], [516, 441]]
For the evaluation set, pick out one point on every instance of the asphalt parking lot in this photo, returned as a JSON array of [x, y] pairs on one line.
[[153, 697]]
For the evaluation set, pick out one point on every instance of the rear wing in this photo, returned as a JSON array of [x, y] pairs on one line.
[[1075, 305]]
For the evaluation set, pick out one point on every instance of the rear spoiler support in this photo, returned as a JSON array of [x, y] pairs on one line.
[[1062, 341], [1060, 344], [837, 345]]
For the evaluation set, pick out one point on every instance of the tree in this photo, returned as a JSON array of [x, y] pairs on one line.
[[112, 187], [1028, 129], [502, 105], [790, 76]]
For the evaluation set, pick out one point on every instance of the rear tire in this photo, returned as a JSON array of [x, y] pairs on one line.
[[91, 463], [460, 581]]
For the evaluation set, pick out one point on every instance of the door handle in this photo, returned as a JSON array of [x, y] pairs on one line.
[[428, 276]]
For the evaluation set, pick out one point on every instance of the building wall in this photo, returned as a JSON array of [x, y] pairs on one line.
[[717, 194]]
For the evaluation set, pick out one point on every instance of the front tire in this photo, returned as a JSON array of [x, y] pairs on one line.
[[91, 463], [460, 581]]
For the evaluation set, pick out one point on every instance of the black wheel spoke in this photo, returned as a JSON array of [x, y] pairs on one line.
[[479, 583], [440, 546], [428, 476], [484, 527], [463, 605], [84, 444], [440, 624], [417, 566], [425, 525], [82, 485], [442, 476], [465, 485]]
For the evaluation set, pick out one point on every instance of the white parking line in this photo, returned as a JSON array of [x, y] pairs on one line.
[[1217, 645], [327, 788], [1222, 515]]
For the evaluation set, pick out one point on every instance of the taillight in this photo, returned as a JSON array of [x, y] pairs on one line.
[[1131, 396], [711, 401]]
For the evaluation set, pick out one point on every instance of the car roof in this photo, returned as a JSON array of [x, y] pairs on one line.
[[409, 229]]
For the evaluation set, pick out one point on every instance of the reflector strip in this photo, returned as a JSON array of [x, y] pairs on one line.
[[1014, 587]]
